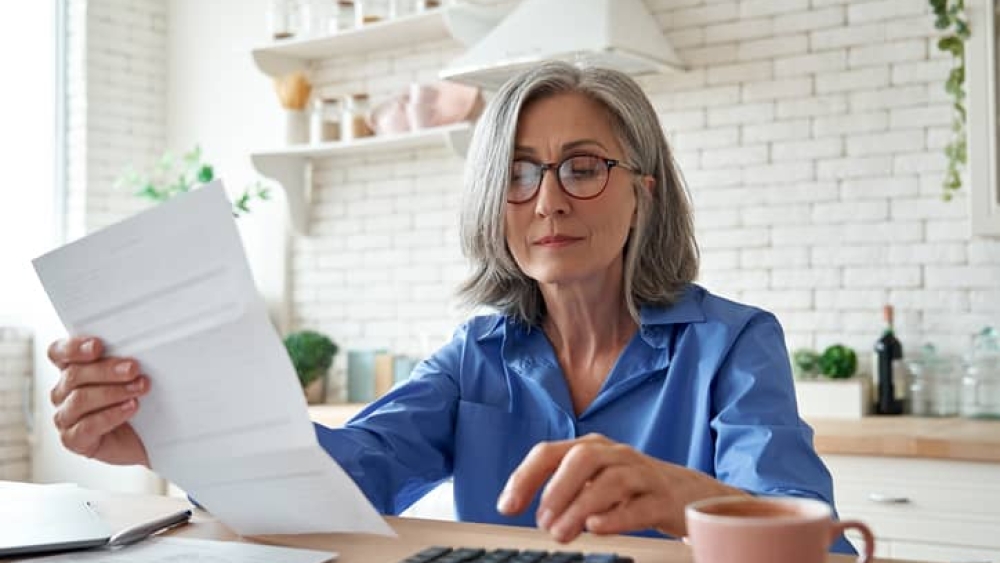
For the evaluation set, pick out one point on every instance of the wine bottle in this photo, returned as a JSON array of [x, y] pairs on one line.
[[888, 363]]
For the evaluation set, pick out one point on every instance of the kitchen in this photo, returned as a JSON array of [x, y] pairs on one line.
[[811, 136]]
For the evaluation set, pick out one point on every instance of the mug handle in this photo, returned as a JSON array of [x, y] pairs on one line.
[[839, 527]]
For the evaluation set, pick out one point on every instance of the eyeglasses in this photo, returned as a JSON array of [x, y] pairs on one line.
[[582, 176]]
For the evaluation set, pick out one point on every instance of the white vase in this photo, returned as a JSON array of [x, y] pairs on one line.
[[296, 127]]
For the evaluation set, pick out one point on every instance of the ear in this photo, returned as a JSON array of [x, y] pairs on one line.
[[649, 183]]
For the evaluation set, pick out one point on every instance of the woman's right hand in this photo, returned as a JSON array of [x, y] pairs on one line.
[[95, 398]]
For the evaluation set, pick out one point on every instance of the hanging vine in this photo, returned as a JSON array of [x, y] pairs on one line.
[[950, 18]]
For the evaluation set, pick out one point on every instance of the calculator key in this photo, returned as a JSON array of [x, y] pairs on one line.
[[564, 557], [427, 555]]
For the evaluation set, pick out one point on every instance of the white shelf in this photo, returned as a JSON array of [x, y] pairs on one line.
[[466, 22], [291, 166]]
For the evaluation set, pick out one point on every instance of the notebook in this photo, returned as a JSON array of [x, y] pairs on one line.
[[44, 518]]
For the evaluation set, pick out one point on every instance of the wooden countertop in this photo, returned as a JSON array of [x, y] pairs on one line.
[[950, 439], [956, 439]]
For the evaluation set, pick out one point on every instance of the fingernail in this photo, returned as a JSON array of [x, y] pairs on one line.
[[129, 405], [135, 386], [87, 347], [504, 502], [544, 519], [123, 368], [560, 532]]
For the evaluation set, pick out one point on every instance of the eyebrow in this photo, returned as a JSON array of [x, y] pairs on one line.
[[565, 148]]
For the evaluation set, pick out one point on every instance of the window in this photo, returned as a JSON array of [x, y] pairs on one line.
[[981, 79], [31, 57]]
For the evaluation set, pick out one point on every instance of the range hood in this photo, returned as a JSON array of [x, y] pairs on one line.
[[618, 34]]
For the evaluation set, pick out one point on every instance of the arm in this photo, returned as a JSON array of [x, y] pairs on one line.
[[762, 446], [401, 446]]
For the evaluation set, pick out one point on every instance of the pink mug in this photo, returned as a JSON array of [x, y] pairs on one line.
[[766, 530]]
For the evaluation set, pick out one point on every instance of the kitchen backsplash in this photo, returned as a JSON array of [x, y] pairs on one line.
[[811, 135]]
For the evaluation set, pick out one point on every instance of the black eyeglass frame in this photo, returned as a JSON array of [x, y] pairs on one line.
[[544, 167]]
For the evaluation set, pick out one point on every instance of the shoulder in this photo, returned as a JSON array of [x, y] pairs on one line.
[[733, 314], [700, 309], [481, 327], [475, 333]]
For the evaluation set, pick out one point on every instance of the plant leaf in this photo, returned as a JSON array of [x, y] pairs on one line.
[[205, 174]]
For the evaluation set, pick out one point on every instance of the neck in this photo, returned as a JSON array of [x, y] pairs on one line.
[[582, 323]]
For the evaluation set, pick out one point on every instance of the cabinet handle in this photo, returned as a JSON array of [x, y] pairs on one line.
[[887, 499]]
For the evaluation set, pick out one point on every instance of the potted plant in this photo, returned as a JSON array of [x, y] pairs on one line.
[[312, 355], [171, 176], [825, 383]]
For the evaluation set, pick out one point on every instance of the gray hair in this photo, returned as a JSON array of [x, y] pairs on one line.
[[661, 255]]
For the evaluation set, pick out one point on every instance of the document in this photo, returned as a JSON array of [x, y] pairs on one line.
[[172, 550], [225, 418]]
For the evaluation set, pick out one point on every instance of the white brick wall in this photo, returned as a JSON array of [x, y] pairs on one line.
[[810, 135], [116, 83], [15, 377]]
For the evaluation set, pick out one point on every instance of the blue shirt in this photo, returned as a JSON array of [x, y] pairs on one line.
[[705, 384]]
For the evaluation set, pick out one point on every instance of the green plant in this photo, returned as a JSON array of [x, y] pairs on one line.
[[171, 176], [950, 18], [805, 362], [311, 353], [838, 362]]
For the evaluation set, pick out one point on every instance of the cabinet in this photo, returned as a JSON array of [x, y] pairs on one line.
[[291, 166], [982, 76], [922, 509]]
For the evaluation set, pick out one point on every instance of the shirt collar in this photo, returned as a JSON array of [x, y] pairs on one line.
[[654, 319]]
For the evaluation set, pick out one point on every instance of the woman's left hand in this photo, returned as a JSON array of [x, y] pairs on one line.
[[604, 487]]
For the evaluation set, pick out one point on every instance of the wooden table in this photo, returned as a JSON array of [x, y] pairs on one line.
[[414, 534]]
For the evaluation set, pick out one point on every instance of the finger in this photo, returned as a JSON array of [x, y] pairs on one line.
[[75, 349], [581, 464], [108, 370], [85, 436], [614, 485], [529, 476], [640, 512], [93, 398]]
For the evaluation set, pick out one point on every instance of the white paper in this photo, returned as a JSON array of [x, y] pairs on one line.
[[225, 418], [172, 550]]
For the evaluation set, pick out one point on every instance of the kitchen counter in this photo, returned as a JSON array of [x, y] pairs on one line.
[[956, 439]]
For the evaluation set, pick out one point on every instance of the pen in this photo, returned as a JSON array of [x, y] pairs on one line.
[[139, 532]]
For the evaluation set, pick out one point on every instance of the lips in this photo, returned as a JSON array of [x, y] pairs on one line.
[[556, 240]]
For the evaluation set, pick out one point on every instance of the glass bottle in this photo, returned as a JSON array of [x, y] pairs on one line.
[[888, 370], [331, 120], [372, 11], [347, 16], [981, 384], [324, 125], [320, 14], [279, 14], [304, 21], [354, 124], [934, 383]]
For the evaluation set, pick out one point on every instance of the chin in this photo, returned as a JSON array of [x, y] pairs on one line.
[[558, 276]]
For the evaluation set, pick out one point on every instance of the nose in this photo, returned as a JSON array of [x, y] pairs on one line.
[[551, 200]]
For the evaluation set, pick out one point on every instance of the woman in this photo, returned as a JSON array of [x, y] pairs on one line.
[[607, 393]]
